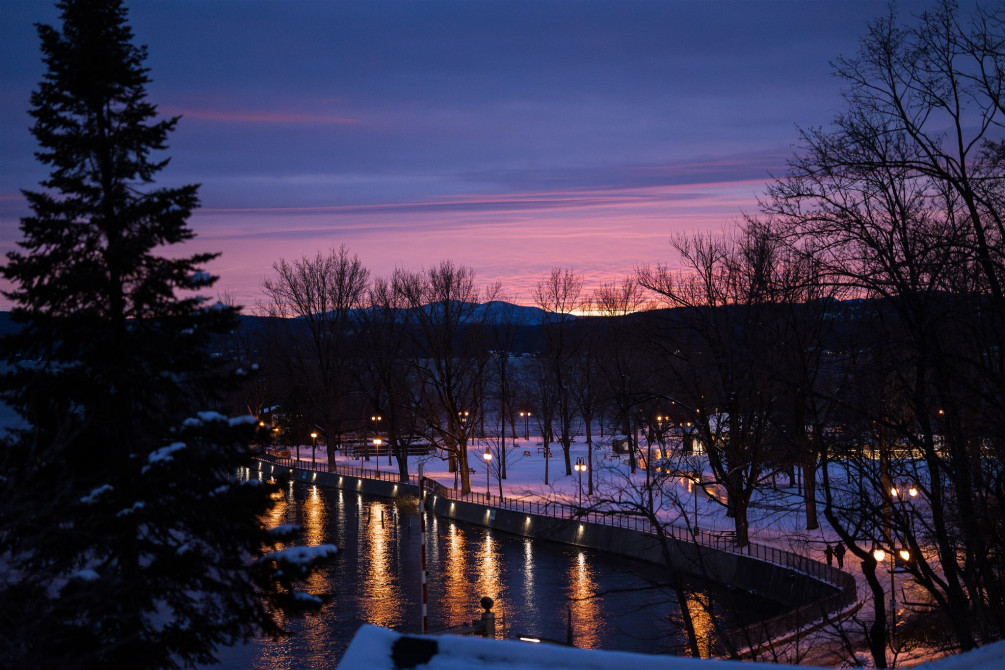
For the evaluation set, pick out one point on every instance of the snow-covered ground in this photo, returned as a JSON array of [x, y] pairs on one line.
[[371, 649]]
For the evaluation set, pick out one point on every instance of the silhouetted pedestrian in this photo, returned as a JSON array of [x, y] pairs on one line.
[[829, 554], [839, 554]]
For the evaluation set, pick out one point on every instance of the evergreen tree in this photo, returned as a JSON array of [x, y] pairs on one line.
[[125, 539]]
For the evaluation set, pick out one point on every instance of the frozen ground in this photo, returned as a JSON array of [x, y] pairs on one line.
[[371, 649]]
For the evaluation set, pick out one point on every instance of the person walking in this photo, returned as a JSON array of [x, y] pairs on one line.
[[829, 554], [839, 554]]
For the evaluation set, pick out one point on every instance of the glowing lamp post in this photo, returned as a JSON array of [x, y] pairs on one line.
[[314, 450], [526, 425], [880, 555], [376, 448], [488, 460], [580, 468]]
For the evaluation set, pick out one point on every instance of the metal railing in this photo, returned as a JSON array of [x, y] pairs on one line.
[[598, 515]]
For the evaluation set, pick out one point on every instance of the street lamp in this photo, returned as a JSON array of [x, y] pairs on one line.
[[314, 449], [580, 468], [488, 459], [695, 481], [526, 425], [903, 495], [879, 555], [376, 448]]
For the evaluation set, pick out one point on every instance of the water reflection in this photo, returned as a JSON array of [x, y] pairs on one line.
[[584, 606], [454, 598], [698, 605], [381, 602], [490, 573], [535, 585]]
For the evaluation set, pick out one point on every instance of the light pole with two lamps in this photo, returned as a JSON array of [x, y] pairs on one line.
[[526, 425], [905, 556], [376, 449]]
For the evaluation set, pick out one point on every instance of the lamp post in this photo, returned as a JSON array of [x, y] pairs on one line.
[[314, 449], [911, 492], [580, 467], [695, 481], [376, 448], [488, 459], [526, 425], [880, 555], [375, 420]]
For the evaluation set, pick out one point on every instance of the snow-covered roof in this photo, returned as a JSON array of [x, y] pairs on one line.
[[375, 648]]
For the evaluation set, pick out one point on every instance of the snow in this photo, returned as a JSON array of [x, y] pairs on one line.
[[284, 530], [93, 496], [210, 417], [372, 646], [307, 598], [243, 420], [164, 453], [131, 510], [302, 555], [86, 575]]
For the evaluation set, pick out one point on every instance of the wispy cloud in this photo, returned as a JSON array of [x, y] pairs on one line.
[[256, 116]]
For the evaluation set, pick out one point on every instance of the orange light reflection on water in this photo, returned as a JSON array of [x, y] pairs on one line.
[[455, 604], [489, 582], [382, 600], [586, 620], [698, 605]]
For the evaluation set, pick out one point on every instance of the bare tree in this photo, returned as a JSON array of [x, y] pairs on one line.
[[901, 202], [447, 328], [720, 370], [560, 296], [386, 375], [317, 297]]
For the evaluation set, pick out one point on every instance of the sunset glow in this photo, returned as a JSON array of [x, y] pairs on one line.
[[509, 137]]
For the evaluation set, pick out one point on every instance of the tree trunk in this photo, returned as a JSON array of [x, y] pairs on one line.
[[810, 491]]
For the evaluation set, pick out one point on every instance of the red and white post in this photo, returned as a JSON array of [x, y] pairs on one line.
[[422, 543]]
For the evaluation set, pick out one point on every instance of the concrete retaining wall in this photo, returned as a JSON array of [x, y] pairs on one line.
[[774, 582], [367, 486], [780, 584]]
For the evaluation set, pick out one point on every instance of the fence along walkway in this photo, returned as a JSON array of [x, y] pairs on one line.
[[606, 517]]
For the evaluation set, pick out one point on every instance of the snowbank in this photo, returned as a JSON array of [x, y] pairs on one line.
[[375, 648]]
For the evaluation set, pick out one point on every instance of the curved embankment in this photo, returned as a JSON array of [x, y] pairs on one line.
[[810, 590]]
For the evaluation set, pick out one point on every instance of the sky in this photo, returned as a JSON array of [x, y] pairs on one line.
[[510, 136]]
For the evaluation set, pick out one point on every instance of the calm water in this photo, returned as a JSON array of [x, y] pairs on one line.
[[537, 586]]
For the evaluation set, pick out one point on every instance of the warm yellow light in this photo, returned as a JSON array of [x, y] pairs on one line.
[[879, 555], [314, 436], [377, 441], [905, 555], [487, 456], [912, 491], [894, 492]]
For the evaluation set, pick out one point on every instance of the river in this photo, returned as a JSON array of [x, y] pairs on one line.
[[539, 587]]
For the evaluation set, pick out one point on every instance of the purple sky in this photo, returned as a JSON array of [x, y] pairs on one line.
[[509, 136]]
